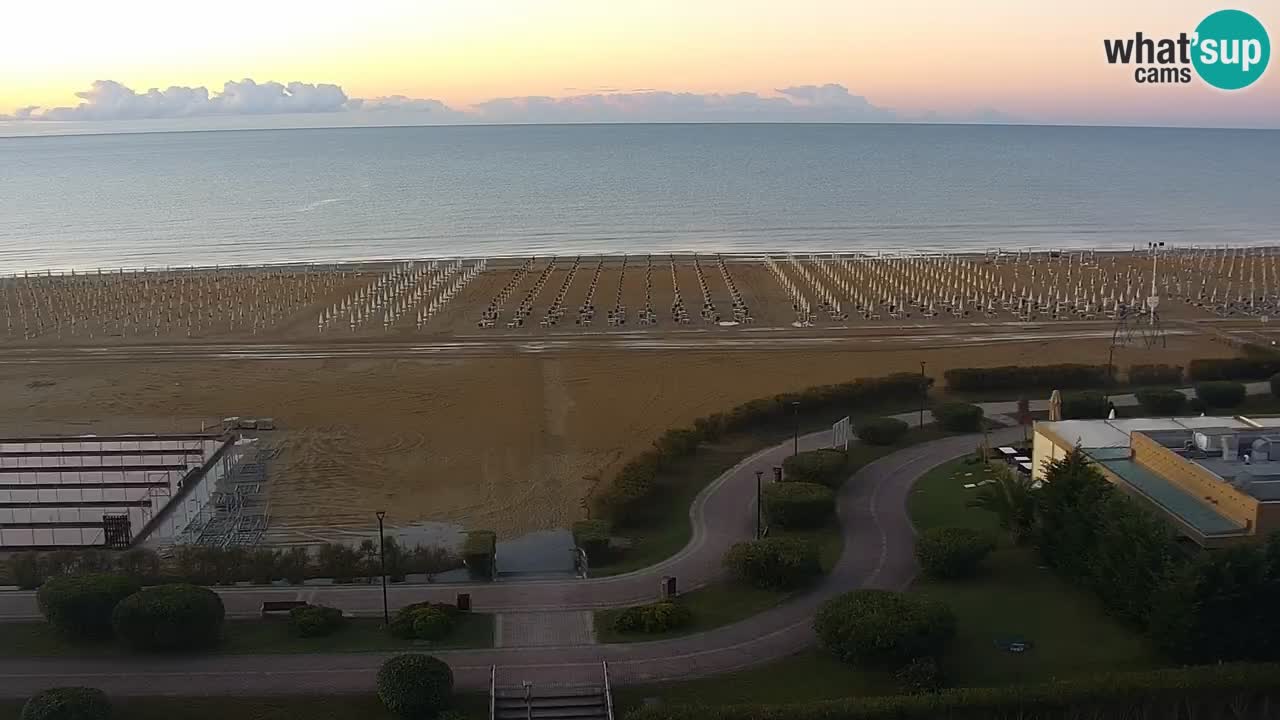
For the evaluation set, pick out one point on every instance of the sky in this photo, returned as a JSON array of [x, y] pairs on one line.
[[264, 63]]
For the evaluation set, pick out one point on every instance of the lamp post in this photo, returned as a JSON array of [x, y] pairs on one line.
[[758, 508], [924, 392], [382, 561], [795, 427]]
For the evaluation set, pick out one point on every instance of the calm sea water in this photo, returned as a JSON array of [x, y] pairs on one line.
[[317, 195]]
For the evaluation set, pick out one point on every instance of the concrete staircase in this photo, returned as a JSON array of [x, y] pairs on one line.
[[551, 702]]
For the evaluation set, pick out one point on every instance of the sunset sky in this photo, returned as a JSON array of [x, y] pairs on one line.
[[1023, 60]]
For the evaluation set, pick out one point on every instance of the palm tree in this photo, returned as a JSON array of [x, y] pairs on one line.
[[1012, 499]]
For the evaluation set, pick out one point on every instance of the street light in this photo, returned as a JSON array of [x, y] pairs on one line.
[[382, 561], [758, 474], [795, 427], [924, 392]]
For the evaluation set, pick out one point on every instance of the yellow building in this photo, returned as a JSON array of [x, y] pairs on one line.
[[1217, 479]]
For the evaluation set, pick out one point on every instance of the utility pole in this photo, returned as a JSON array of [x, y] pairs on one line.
[[758, 506], [382, 561], [924, 392]]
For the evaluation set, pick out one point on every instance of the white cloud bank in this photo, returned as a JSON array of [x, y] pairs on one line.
[[108, 100]]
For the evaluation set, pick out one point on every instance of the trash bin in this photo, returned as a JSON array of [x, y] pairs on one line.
[[464, 602]]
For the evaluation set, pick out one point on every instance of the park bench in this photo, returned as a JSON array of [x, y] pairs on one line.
[[281, 606]]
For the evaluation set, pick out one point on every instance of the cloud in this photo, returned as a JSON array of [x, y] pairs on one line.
[[110, 100]]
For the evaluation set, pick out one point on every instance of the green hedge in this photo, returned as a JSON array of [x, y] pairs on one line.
[[403, 622], [593, 537], [654, 618], [881, 431], [1220, 692], [952, 552], [315, 621], [431, 623], [827, 466], [1239, 368], [67, 703], [478, 554], [1086, 405], [1014, 377], [415, 686], [1220, 393], [80, 606], [883, 629], [958, 417], [797, 505], [777, 563], [170, 617], [1155, 374], [1162, 402]]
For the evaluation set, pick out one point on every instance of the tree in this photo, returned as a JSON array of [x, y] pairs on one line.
[[1012, 500], [1067, 513], [1128, 567]]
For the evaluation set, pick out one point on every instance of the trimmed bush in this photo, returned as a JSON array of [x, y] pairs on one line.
[[1220, 393], [80, 606], [883, 629], [952, 552], [1239, 368], [170, 617], [431, 623], [402, 623], [478, 553], [1013, 377], [958, 417], [24, 570], [798, 504], [825, 467], [659, 617], [140, 563], [1162, 402], [1155, 374], [415, 686], [1087, 405], [315, 621], [593, 537], [67, 703], [779, 563], [881, 431]]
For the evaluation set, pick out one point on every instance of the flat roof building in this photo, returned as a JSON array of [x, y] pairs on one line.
[[1217, 479]]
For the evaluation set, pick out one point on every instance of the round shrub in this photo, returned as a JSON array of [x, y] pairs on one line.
[[653, 618], [952, 552], [170, 617], [67, 703], [958, 417], [414, 685], [774, 563], [798, 504], [80, 606], [402, 622], [315, 621], [431, 623], [883, 629], [825, 467], [1087, 405], [1220, 393], [920, 676], [1162, 402], [881, 431]]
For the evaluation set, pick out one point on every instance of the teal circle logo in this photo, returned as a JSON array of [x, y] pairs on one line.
[[1231, 49]]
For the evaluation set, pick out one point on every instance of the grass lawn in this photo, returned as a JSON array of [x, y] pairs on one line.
[[246, 637], [286, 707], [1016, 599]]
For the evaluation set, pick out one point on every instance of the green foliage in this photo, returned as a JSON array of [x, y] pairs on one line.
[[883, 629], [403, 622], [170, 617], [776, 563], [415, 686], [295, 565], [315, 621], [1013, 377], [478, 553], [80, 606], [264, 564], [430, 623], [24, 569], [1089, 404], [798, 504], [67, 703], [1162, 402], [593, 537], [881, 431], [1238, 692], [958, 417], [675, 444], [339, 561], [1155, 374], [659, 617], [431, 560], [1237, 368], [141, 564], [1220, 393], [826, 466], [922, 675], [1012, 500], [952, 552]]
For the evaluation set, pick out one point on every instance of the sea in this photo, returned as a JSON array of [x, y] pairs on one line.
[[87, 202]]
